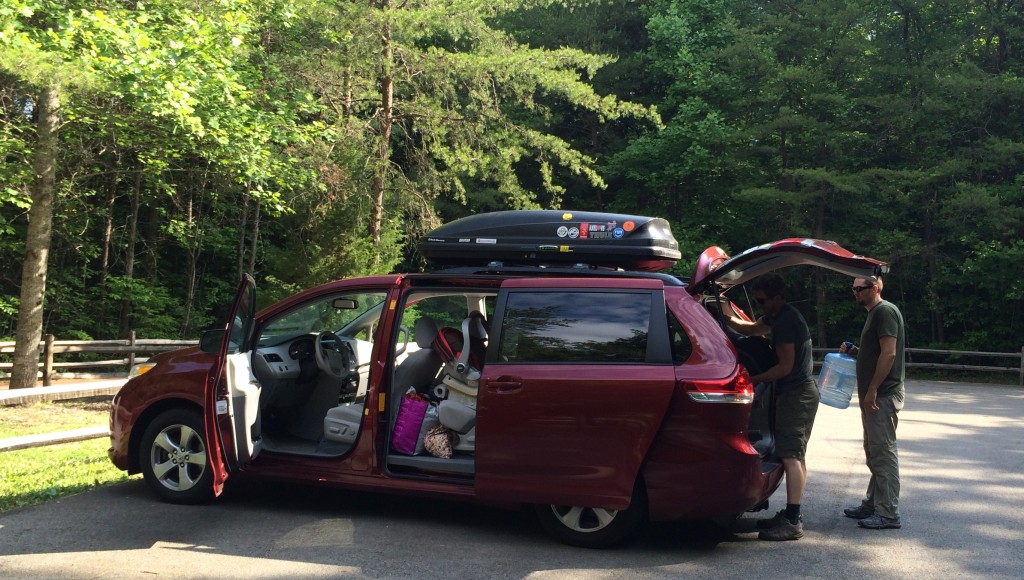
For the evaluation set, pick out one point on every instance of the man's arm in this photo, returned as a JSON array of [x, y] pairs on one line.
[[747, 328], [786, 353], [886, 359]]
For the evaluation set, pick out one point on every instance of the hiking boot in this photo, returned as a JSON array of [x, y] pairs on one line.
[[879, 522], [860, 512], [786, 530], [772, 522]]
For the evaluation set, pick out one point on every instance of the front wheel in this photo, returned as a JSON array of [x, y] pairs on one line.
[[588, 527], [174, 458]]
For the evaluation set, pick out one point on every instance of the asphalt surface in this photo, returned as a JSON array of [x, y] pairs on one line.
[[962, 455]]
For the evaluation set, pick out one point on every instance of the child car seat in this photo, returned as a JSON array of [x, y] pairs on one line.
[[463, 354]]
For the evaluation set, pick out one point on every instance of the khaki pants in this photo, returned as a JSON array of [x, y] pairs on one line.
[[882, 456]]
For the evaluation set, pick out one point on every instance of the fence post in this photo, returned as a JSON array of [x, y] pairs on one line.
[[47, 359], [131, 355]]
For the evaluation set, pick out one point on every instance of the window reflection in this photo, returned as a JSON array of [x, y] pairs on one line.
[[576, 327]]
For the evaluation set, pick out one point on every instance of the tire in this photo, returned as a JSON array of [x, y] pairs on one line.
[[586, 527], [174, 460]]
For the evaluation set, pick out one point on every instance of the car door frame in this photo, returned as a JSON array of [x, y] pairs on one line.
[[232, 393]]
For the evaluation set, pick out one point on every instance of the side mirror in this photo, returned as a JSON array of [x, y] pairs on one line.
[[209, 340]]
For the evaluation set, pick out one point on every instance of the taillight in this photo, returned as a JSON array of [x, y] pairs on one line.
[[738, 390]]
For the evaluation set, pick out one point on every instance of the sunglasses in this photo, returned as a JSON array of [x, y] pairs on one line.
[[857, 289], [762, 300]]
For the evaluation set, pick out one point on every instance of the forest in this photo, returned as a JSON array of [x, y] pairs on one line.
[[154, 151]]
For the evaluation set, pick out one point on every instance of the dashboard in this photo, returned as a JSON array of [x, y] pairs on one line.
[[286, 359]]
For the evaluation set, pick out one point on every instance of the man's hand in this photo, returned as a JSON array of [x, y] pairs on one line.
[[870, 401]]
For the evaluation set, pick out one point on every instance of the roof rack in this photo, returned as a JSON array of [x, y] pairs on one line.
[[577, 270], [554, 238]]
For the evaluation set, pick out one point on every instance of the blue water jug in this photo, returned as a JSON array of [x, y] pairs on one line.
[[837, 380]]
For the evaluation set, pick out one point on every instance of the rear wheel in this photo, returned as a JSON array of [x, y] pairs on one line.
[[588, 527], [174, 459]]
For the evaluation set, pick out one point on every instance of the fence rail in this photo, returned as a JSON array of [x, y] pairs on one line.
[[954, 355], [132, 347]]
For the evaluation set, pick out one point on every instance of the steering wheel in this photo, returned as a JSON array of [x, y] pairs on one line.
[[332, 359]]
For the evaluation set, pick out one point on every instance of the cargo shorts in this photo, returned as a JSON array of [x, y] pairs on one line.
[[795, 409]]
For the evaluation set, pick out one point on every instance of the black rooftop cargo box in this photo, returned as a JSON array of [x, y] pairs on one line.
[[554, 238]]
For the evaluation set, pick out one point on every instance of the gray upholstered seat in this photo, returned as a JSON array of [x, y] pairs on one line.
[[420, 368]]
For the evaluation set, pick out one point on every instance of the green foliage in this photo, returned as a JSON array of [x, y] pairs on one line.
[[199, 140]]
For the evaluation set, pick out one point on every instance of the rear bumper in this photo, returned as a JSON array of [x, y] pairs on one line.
[[695, 476]]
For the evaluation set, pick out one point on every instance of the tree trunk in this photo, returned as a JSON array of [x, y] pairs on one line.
[[108, 226], [129, 262], [387, 99], [192, 252], [255, 237], [37, 243], [242, 220], [818, 275]]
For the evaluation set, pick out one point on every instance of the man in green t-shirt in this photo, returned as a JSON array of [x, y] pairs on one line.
[[880, 378]]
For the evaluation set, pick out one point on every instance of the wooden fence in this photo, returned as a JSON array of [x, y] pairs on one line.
[[955, 360], [131, 348]]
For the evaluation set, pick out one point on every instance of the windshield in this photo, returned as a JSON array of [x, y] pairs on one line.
[[333, 313]]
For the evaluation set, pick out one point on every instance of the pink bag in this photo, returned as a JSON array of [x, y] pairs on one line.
[[407, 424]]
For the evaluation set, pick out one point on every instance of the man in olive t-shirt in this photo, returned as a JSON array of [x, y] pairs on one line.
[[880, 386]]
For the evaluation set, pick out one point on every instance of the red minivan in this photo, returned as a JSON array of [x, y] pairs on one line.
[[546, 363]]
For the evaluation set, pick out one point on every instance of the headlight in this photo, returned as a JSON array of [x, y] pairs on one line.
[[141, 369]]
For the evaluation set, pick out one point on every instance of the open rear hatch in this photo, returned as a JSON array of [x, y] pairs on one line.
[[715, 267], [716, 272]]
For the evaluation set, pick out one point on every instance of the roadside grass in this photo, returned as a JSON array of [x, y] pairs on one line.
[[37, 475], [54, 416], [34, 476]]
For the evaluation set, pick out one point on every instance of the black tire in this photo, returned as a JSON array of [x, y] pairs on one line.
[[174, 460], [591, 527]]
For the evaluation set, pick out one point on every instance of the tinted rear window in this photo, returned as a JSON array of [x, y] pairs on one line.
[[572, 326]]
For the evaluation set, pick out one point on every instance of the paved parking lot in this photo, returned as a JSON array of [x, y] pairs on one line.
[[962, 453]]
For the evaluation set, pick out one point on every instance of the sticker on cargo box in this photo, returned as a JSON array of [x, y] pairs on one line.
[[486, 241]]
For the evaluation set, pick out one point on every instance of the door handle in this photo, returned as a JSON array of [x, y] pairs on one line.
[[505, 385]]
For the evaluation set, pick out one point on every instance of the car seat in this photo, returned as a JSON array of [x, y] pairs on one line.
[[463, 355], [420, 368]]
